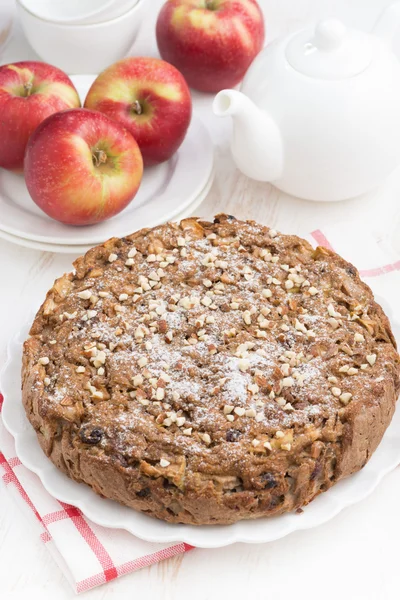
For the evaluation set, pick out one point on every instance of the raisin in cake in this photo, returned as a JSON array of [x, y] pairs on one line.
[[210, 372]]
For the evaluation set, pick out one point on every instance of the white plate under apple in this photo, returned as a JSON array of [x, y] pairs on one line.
[[111, 514], [166, 192], [75, 249]]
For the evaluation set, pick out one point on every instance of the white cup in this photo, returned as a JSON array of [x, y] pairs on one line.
[[82, 48]]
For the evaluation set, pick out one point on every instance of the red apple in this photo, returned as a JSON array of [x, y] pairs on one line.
[[151, 99], [82, 167], [29, 93], [211, 42]]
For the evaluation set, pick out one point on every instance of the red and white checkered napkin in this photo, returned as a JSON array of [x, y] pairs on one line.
[[90, 555]]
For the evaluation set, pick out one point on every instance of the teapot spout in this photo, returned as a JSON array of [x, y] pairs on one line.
[[388, 23], [257, 147]]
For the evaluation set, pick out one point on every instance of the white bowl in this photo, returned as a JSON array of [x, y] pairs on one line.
[[72, 11], [6, 21], [82, 48], [78, 12], [113, 10]]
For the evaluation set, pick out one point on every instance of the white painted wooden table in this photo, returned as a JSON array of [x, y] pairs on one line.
[[354, 556]]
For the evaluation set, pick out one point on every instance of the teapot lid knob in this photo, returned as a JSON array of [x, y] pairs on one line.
[[329, 34], [330, 51]]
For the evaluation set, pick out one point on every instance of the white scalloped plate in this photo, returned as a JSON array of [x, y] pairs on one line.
[[165, 192], [110, 514], [76, 250]]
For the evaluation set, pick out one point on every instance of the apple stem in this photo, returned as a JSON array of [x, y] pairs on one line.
[[137, 107], [28, 88], [99, 157]]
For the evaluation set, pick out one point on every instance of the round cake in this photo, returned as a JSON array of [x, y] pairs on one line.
[[206, 372]]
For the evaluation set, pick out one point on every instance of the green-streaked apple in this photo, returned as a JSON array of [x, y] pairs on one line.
[[82, 167], [211, 42], [29, 92], [150, 98]]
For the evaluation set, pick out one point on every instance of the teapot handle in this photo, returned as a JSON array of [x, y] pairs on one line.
[[388, 23]]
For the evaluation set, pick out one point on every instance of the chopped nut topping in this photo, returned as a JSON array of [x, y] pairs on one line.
[[160, 393], [112, 258], [334, 323], [332, 312], [246, 317], [285, 368], [300, 326], [250, 412], [80, 369], [345, 398], [371, 358], [253, 388], [244, 365], [138, 380], [85, 295], [44, 360], [164, 462], [336, 391], [206, 301]]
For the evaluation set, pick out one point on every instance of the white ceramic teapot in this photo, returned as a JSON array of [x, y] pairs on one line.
[[319, 111]]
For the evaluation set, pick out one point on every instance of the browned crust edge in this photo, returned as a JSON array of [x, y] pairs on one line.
[[362, 433]]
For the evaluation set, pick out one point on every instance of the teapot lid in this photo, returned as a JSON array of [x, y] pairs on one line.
[[331, 51]]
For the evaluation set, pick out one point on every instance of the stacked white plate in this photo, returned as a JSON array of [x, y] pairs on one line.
[[170, 191]]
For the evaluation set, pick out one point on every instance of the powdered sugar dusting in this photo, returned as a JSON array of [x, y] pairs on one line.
[[198, 338]]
